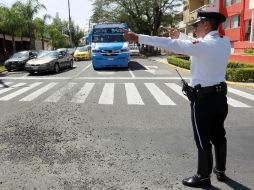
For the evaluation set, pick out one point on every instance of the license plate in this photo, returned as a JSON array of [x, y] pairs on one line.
[[110, 59]]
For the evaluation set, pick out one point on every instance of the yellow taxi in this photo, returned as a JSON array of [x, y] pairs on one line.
[[82, 53]]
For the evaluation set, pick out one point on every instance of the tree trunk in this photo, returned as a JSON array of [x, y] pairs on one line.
[[4, 46], [42, 42], [13, 43]]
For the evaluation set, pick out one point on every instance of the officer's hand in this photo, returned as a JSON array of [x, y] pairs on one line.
[[130, 36], [173, 33]]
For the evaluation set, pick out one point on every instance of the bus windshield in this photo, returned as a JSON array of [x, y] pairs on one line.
[[108, 38]]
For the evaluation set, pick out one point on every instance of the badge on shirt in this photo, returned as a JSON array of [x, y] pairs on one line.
[[195, 41]]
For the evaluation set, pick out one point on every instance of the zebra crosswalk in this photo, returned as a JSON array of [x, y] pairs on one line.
[[163, 93]]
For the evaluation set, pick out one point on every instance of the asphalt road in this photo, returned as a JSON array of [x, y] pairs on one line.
[[111, 129]]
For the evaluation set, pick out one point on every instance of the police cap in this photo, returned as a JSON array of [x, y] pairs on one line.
[[219, 17]]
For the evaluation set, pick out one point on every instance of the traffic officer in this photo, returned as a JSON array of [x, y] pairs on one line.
[[209, 56]]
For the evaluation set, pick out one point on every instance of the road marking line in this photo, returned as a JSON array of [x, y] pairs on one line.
[[132, 74], [177, 89], [11, 87], [107, 96], [5, 84], [19, 92], [38, 92], [81, 96], [60, 93], [241, 93], [159, 95], [83, 70], [236, 103], [132, 94]]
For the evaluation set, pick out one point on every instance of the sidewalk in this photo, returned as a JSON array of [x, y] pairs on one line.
[[163, 59]]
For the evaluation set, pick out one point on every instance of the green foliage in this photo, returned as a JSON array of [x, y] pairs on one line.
[[179, 62], [233, 64], [240, 74], [2, 68], [237, 72], [249, 51], [144, 17]]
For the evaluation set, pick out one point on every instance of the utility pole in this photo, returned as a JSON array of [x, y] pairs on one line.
[[70, 23], [252, 27], [251, 6]]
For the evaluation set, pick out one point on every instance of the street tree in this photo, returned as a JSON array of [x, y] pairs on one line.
[[143, 16], [41, 27], [28, 10]]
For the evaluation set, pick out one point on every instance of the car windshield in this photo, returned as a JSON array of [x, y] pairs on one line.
[[108, 38], [80, 49], [48, 54], [20, 54]]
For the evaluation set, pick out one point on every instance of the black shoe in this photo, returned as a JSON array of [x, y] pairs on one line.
[[219, 174], [197, 181]]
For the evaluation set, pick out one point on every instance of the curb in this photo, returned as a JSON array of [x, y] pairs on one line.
[[238, 84]]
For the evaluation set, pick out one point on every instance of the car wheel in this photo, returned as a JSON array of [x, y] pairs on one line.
[[9, 70], [31, 72], [56, 68], [96, 69], [71, 64]]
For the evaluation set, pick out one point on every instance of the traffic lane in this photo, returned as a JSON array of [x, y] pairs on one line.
[[113, 145], [138, 67], [78, 67], [105, 72]]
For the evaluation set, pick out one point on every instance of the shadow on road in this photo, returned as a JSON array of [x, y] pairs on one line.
[[136, 66], [232, 184], [3, 84]]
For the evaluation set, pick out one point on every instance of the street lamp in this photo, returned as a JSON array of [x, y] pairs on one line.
[[69, 27]]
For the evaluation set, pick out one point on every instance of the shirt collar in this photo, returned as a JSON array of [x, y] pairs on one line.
[[212, 33]]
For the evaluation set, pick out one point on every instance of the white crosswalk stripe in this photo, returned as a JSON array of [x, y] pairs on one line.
[[11, 87], [82, 95], [107, 96], [20, 91], [108, 93], [132, 94], [60, 93], [236, 103], [177, 89], [159, 95], [241, 93], [39, 92]]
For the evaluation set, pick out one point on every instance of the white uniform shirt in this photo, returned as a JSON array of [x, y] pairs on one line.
[[209, 55]]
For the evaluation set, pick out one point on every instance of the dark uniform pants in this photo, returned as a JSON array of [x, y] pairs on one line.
[[208, 114]]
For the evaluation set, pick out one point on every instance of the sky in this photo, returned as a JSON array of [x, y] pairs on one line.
[[81, 10]]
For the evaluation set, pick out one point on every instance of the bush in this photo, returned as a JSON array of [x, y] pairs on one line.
[[179, 62], [249, 51], [232, 64], [237, 72], [240, 74]]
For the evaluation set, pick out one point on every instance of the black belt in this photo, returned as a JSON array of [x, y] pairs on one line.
[[218, 88]]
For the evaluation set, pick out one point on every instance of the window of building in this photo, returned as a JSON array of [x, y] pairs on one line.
[[227, 3], [226, 24], [235, 1], [236, 21], [212, 2]]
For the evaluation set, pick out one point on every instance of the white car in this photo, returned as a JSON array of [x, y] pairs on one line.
[[134, 50]]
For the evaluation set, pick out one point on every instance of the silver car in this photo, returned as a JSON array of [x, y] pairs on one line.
[[49, 61]]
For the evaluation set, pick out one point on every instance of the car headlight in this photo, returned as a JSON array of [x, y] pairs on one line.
[[96, 51], [124, 50]]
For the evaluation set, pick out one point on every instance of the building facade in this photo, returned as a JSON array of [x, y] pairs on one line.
[[238, 24]]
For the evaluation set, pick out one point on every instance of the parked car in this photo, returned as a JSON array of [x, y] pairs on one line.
[[134, 50], [18, 60], [82, 53], [49, 61]]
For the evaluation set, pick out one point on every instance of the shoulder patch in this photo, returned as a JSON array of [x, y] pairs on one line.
[[195, 41]]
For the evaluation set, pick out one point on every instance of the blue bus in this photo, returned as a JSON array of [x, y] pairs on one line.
[[109, 48]]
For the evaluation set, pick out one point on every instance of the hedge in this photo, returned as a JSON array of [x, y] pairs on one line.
[[237, 72]]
